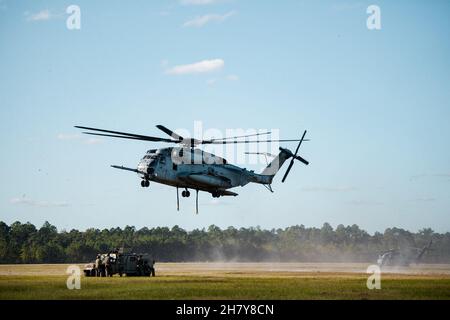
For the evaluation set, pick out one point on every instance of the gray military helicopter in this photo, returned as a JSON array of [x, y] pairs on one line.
[[405, 257], [188, 167]]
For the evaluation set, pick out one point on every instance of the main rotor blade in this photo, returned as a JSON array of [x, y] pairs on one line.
[[255, 141], [154, 139], [246, 136], [262, 153], [140, 137], [288, 169], [170, 132]]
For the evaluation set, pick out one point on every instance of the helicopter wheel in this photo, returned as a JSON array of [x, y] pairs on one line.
[[143, 183], [188, 194], [183, 194], [147, 183]]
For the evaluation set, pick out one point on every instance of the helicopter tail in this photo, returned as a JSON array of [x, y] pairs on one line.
[[285, 154], [275, 165], [424, 250]]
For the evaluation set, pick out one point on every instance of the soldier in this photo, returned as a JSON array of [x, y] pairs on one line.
[[152, 268], [97, 266], [102, 268], [139, 266], [108, 266]]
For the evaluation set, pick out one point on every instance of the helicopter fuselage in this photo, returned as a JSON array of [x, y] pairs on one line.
[[195, 169]]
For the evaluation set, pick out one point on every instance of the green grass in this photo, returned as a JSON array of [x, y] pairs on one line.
[[227, 286]]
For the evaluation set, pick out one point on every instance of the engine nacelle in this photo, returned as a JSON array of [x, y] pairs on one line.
[[210, 181]]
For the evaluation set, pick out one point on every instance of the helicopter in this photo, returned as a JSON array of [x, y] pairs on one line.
[[397, 257], [187, 167]]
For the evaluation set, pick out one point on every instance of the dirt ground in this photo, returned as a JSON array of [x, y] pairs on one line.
[[216, 268]]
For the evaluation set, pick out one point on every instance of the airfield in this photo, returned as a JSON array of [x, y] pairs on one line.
[[231, 281]]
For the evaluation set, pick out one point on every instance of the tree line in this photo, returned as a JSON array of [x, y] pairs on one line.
[[24, 243]]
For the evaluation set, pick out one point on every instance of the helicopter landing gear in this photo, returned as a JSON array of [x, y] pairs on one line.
[[215, 194], [145, 183], [196, 202], [186, 194], [178, 201]]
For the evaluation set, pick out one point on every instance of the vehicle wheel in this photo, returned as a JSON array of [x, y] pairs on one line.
[[188, 194], [183, 194], [120, 274], [143, 183], [147, 183]]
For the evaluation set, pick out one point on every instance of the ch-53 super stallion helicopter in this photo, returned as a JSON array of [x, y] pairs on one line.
[[188, 167]]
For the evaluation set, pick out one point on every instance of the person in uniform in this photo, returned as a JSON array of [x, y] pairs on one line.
[[139, 266], [152, 268], [108, 266], [102, 268], [97, 266]]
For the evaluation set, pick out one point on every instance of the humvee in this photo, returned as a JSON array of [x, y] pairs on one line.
[[121, 264]]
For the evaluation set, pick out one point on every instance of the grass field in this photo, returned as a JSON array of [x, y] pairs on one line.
[[230, 281]]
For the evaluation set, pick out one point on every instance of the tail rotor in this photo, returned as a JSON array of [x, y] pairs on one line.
[[295, 157]]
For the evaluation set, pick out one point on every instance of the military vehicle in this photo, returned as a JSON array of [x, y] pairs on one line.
[[405, 257], [123, 264]]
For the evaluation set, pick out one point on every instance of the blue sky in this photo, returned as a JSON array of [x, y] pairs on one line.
[[376, 105]]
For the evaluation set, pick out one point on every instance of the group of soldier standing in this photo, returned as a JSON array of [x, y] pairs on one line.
[[103, 267]]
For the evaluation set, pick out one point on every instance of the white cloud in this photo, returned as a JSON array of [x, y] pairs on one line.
[[205, 66], [42, 15], [232, 77], [198, 2], [40, 204], [200, 21]]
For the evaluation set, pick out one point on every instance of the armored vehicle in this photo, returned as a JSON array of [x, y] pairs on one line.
[[130, 264]]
